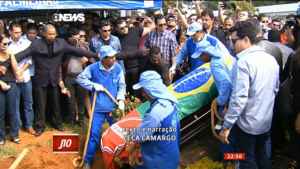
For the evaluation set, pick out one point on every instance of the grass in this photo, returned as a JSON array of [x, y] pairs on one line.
[[76, 128], [8, 151], [29, 145]]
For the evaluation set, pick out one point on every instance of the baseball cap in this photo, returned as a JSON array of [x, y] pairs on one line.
[[193, 28], [107, 50], [147, 78]]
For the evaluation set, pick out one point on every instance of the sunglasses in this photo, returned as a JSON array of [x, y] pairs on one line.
[[109, 30], [41, 30], [264, 21], [171, 20], [88, 18], [146, 23], [276, 25], [123, 28], [5, 44], [75, 40], [155, 60], [234, 40], [82, 36], [161, 25]]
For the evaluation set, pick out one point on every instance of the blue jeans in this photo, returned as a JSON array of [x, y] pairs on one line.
[[93, 143], [254, 147], [25, 91], [8, 104]]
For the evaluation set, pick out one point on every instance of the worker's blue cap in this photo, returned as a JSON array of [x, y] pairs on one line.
[[107, 50], [207, 48], [193, 28]]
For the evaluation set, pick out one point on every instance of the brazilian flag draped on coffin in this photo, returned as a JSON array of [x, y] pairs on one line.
[[193, 91]]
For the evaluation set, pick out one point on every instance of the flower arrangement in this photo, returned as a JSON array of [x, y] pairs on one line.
[[66, 91], [130, 102]]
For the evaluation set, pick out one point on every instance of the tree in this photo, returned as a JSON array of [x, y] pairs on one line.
[[242, 4], [134, 13]]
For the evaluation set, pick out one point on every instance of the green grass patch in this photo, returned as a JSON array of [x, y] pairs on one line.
[[29, 145], [8, 151]]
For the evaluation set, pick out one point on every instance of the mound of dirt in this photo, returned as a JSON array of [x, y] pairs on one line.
[[40, 154]]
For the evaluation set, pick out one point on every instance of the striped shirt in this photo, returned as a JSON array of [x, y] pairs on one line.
[[166, 41]]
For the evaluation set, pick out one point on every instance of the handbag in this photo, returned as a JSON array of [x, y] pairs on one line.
[[284, 99]]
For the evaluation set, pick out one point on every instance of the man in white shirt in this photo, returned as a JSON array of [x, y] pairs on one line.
[[17, 44], [30, 35], [255, 81]]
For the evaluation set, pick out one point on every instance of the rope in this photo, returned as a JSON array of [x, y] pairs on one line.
[[171, 76], [214, 112]]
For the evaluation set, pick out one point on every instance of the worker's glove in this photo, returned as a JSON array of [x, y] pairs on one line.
[[98, 87], [121, 105], [172, 69]]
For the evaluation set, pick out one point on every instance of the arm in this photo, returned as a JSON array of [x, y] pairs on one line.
[[289, 36], [183, 20], [130, 55], [121, 87], [222, 79], [198, 9], [237, 12], [84, 79], [148, 122], [149, 28], [165, 74], [25, 66], [173, 46], [181, 55], [25, 53], [220, 13], [239, 96], [78, 51]]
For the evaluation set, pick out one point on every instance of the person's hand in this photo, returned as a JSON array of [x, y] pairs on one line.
[[18, 73], [20, 79], [8, 51], [172, 69], [224, 136], [2, 70], [176, 10], [98, 55], [61, 84], [225, 111], [83, 60], [121, 105], [144, 52], [98, 87], [4, 86], [220, 5], [297, 124], [238, 9]]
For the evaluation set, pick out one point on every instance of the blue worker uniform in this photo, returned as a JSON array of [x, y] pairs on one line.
[[222, 77], [114, 82], [162, 114]]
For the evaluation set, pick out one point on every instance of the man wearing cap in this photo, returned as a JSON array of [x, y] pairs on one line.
[[197, 37], [105, 73], [162, 114], [221, 65]]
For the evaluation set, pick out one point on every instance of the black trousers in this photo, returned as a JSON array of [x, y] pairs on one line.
[[277, 133], [295, 138], [132, 78], [41, 94], [77, 92]]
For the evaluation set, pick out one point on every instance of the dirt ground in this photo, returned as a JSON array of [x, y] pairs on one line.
[[40, 154]]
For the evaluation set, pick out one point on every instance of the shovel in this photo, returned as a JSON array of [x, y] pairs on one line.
[[78, 158]]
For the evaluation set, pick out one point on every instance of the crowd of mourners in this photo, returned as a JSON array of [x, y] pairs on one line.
[[249, 55]]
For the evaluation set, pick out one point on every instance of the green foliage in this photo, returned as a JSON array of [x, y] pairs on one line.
[[131, 103], [8, 151], [207, 163], [134, 13], [170, 5]]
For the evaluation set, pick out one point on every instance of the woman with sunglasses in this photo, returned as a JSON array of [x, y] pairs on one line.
[[8, 91]]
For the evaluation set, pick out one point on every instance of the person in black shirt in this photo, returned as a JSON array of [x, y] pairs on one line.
[[130, 41], [8, 92]]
